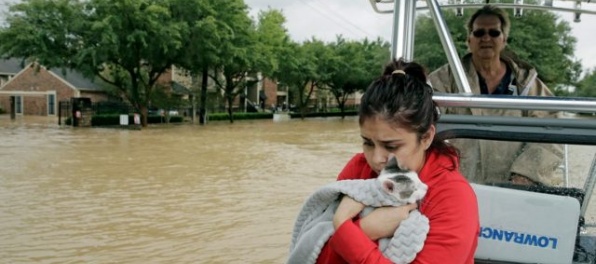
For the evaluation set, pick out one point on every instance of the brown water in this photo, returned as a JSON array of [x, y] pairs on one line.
[[171, 194], [219, 193]]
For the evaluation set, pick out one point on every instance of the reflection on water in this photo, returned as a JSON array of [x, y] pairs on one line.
[[173, 194]]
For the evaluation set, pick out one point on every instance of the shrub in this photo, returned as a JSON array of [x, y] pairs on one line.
[[114, 120], [324, 114], [239, 116]]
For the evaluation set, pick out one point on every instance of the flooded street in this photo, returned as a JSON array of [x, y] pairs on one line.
[[219, 193], [170, 194]]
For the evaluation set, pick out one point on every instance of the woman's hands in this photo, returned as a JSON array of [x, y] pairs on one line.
[[380, 223], [348, 208], [383, 221]]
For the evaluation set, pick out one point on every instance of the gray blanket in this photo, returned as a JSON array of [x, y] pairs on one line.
[[314, 224]]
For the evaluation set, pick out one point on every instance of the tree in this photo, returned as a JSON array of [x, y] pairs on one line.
[[235, 58], [128, 44], [202, 42], [299, 70], [166, 101], [353, 66], [540, 38], [271, 39], [587, 86]]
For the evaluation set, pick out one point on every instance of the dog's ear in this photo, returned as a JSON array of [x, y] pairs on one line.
[[392, 163]]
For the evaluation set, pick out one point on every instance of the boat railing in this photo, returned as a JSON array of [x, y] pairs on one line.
[[568, 104], [544, 5]]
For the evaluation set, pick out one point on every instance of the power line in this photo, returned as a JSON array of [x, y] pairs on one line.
[[344, 19], [331, 18]]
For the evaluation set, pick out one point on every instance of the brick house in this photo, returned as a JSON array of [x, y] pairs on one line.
[[38, 90]]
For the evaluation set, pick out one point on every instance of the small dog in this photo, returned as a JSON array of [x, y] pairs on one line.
[[402, 183]]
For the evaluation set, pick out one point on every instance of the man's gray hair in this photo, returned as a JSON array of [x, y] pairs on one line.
[[491, 10]]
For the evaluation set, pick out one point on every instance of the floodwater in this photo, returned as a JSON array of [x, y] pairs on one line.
[[221, 193]]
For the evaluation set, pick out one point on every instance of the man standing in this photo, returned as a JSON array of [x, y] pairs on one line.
[[490, 71]]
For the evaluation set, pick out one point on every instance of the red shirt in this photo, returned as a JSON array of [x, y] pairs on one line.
[[450, 205]]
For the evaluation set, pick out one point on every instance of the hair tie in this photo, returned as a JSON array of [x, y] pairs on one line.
[[398, 72]]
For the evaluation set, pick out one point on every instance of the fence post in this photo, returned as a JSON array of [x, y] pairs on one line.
[[13, 106], [59, 113]]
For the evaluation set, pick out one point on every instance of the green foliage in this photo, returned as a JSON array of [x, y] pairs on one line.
[[204, 33], [114, 120], [235, 54], [155, 119], [353, 65], [239, 116], [127, 43], [300, 69], [250, 116], [271, 38], [163, 99], [587, 86], [538, 37], [325, 114]]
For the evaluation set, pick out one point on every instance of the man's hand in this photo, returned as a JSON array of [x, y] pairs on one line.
[[383, 221], [348, 208], [520, 179]]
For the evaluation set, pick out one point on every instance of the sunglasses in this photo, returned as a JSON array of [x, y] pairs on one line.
[[481, 32]]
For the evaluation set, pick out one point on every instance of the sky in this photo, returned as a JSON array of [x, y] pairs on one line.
[[356, 19]]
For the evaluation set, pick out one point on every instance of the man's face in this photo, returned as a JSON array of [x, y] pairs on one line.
[[486, 40]]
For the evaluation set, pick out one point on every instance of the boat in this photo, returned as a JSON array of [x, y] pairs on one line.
[[519, 224]]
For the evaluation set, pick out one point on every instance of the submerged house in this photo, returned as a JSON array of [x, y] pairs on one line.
[[37, 90]]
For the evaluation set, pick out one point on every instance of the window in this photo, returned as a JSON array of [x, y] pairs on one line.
[[51, 104], [18, 104]]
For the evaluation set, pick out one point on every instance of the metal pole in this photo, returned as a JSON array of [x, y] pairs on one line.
[[410, 29], [516, 102], [398, 39], [450, 50], [59, 113], [566, 165], [589, 187]]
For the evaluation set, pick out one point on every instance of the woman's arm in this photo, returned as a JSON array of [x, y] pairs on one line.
[[382, 222], [452, 210], [351, 242]]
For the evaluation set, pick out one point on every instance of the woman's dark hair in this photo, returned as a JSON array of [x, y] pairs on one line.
[[403, 97]]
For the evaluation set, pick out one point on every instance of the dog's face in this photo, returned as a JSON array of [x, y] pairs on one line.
[[403, 184]]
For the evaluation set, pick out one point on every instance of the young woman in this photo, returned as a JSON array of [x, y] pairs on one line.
[[398, 117]]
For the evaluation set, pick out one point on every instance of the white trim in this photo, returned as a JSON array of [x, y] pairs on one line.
[[28, 93]]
